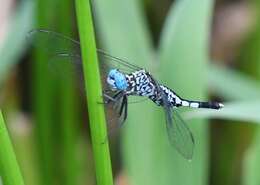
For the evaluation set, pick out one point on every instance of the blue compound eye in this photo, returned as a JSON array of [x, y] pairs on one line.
[[117, 80], [112, 73]]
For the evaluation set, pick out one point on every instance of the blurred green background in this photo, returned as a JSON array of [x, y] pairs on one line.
[[202, 49]]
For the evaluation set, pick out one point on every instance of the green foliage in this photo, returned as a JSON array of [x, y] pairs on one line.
[[250, 63], [10, 172], [43, 101], [240, 86], [69, 117], [94, 93], [184, 55], [181, 62]]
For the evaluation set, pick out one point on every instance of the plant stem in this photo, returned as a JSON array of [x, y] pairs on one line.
[[94, 93], [10, 171], [43, 87], [69, 108]]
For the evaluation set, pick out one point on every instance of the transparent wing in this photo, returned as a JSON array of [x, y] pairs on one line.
[[65, 51], [178, 132], [63, 64], [56, 43], [53, 42], [116, 62], [116, 112]]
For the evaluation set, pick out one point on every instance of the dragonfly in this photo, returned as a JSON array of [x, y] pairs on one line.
[[123, 79]]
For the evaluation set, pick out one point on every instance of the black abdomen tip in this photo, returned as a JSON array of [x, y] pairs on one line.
[[211, 105]]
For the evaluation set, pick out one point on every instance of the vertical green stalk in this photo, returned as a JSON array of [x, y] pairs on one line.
[[94, 93], [69, 109], [44, 99], [10, 172]]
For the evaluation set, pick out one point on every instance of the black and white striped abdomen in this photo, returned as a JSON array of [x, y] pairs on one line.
[[172, 97], [177, 101], [140, 83]]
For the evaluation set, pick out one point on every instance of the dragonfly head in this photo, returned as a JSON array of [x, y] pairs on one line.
[[117, 80]]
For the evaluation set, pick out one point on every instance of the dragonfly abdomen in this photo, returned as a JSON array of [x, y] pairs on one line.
[[173, 99], [176, 101], [141, 83], [208, 105]]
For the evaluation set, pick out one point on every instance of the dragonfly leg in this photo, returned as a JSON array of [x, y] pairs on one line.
[[113, 98], [126, 104], [108, 98]]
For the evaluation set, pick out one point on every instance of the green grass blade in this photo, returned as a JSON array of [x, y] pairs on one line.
[[69, 107], [94, 93], [24, 146], [240, 86], [10, 172], [183, 53], [250, 164], [44, 100], [249, 62]]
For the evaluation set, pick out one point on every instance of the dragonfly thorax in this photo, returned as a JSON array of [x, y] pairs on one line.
[[140, 83]]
